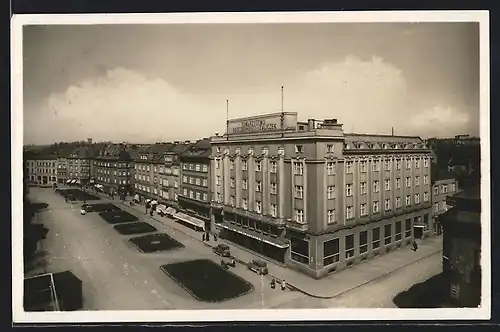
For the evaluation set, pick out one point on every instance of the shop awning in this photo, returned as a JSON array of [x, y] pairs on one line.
[[148, 200], [73, 181], [98, 185], [68, 181], [171, 210], [161, 207], [254, 236], [419, 226], [190, 220]]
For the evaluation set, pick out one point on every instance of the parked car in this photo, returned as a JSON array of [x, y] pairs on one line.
[[222, 250], [161, 210], [258, 266]]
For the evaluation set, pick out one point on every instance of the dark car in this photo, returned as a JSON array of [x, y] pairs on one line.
[[222, 250], [258, 266]]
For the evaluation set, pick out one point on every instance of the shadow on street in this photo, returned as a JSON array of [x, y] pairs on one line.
[[431, 293]]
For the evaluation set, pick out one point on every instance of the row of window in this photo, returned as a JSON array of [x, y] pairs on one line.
[[197, 181], [108, 180], [162, 193], [108, 164], [254, 225], [195, 167], [331, 249], [273, 165], [162, 181], [45, 171], [444, 188], [158, 169], [195, 195], [44, 164], [115, 172], [387, 185]]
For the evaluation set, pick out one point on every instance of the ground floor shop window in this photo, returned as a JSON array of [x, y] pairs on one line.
[[363, 242], [349, 246], [376, 237], [387, 234], [299, 250], [408, 228], [426, 222], [398, 231], [331, 252]]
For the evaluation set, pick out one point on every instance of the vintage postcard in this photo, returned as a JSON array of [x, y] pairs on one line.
[[251, 167]]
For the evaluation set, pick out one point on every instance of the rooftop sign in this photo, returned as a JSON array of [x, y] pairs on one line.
[[264, 123]]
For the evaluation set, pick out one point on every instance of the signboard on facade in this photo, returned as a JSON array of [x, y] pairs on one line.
[[264, 123]]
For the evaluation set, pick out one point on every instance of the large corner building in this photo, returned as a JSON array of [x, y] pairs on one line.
[[314, 198]]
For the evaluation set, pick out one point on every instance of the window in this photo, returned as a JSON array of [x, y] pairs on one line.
[[258, 206], [231, 164], [362, 210], [376, 208], [184, 166], [191, 180], [398, 231], [205, 168], [387, 234], [436, 190], [445, 188], [362, 166], [376, 238], [274, 189], [299, 192], [330, 168], [398, 164], [219, 182], [198, 167], [205, 197], [299, 250], [426, 197], [331, 252], [331, 217], [348, 189], [349, 246], [417, 180], [198, 196], [398, 183], [198, 181], [348, 167], [191, 194], [408, 182], [452, 187], [375, 165], [387, 165], [299, 215], [219, 197], [375, 186], [331, 192], [298, 168], [231, 200], [408, 200], [349, 212], [205, 183], [436, 207], [273, 167], [362, 188], [176, 184], [274, 210], [363, 242], [387, 184], [408, 163], [426, 179], [184, 179], [299, 148], [330, 148], [417, 163], [408, 228], [387, 204], [244, 203], [232, 183], [244, 184], [417, 198]]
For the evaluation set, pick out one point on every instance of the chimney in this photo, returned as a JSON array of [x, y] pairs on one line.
[[310, 124], [187, 142]]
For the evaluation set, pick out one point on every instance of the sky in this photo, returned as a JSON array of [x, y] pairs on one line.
[[150, 83]]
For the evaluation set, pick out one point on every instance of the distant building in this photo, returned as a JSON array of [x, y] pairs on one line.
[[443, 185], [113, 169], [315, 198], [42, 168], [462, 247], [170, 173], [79, 164], [194, 194]]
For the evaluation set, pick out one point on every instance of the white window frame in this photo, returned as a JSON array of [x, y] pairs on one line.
[[375, 207], [348, 189], [330, 192], [299, 192], [331, 216]]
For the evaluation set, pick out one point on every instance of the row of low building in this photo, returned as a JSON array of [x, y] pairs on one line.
[[305, 194]]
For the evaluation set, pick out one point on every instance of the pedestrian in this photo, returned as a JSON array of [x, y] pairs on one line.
[[273, 284], [415, 246], [84, 201], [215, 237], [203, 237], [283, 285]]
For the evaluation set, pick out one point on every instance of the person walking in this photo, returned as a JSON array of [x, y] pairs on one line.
[[203, 237], [273, 284], [415, 246], [283, 285], [215, 237]]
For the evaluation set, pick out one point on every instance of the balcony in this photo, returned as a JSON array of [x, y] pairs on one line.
[[298, 226]]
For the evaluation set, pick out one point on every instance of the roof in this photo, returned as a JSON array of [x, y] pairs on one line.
[[354, 137], [83, 152], [116, 151], [200, 149]]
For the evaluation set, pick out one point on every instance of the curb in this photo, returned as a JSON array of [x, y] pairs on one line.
[[293, 287]]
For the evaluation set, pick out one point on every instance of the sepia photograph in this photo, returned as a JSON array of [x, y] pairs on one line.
[[251, 166]]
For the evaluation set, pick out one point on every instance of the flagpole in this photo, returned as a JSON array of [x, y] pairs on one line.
[[282, 114], [227, 119]]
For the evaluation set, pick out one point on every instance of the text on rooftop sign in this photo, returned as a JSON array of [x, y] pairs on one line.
[[256, 125]]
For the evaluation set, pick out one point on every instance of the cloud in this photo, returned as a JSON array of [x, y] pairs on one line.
[[367, 96]]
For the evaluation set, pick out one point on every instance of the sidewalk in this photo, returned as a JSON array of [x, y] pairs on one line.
[[328, 287]]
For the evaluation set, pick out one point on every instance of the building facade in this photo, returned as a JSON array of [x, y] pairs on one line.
[[194, 192], [443, 186], [113, 169], [462, 247], [42, 169], [170, 173], [313, 198], [79, 165]]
